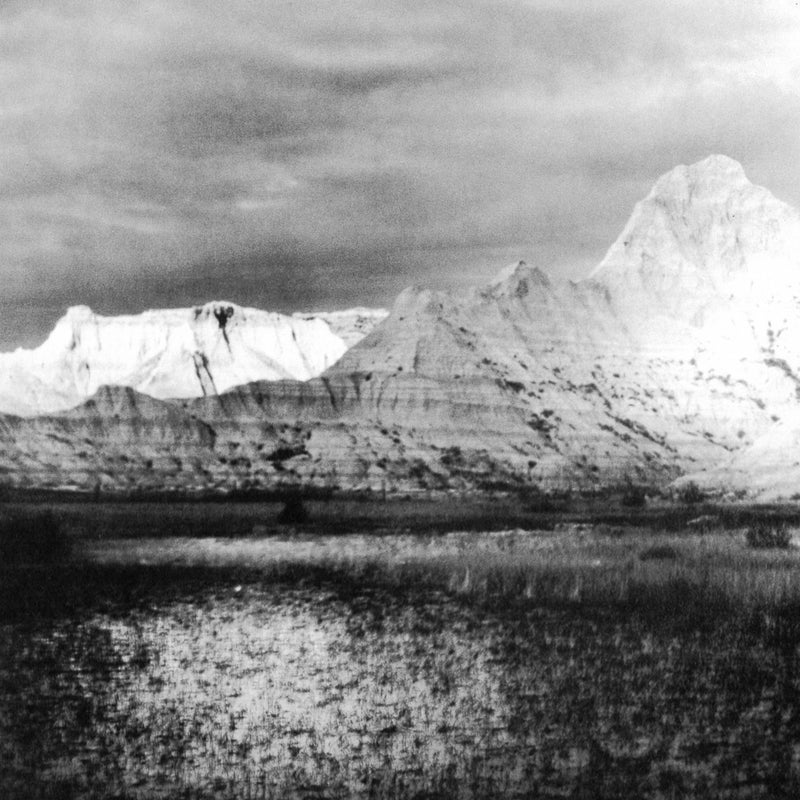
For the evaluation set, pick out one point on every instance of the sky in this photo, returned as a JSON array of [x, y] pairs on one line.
[[314, 155]]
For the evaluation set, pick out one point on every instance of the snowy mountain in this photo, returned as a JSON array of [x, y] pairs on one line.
[[174, 353], [679, 353]]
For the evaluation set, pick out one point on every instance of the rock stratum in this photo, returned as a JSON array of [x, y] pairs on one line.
[[174, 353], [677, 356]]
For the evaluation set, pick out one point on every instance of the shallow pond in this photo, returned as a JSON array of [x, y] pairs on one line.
[[238, 687]]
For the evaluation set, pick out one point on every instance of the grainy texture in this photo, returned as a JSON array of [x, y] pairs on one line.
[[585, 661]]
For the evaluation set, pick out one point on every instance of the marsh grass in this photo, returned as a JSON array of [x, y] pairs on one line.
[[765, 534], [658, 566], [114, 518], [690, 574], [32, 538], [599, 661], [176, 681], [122, 518]]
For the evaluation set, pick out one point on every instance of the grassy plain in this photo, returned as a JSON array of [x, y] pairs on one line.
[[691, 559], [485, 648]]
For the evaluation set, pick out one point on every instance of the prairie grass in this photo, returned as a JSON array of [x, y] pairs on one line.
[[424, 670], [583, 660], [650, 560], [690, 573]]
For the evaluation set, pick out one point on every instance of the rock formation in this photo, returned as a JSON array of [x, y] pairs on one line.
[[678, 353], [174, 353]]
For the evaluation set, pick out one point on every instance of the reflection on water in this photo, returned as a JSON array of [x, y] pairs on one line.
[[267, 691]]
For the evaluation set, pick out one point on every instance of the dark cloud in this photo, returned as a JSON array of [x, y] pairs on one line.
[[328, 154]]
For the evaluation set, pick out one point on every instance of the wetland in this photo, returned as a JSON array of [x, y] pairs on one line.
[[571, 659]]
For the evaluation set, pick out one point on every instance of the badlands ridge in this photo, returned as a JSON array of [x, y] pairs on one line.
[[676, 358], [188, 352]]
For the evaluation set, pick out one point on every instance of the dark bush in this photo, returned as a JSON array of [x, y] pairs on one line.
[[285, 452], [691, 493], [658, 552], [293, 512], [33, 538], [536, 501], [634, 497], [768, 534]]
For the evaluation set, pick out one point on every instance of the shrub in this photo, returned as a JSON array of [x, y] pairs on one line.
[[293, 512], [452, 457], [285, 452], [535, 501], [768, 534], [659, 552], [704, 523], [691, 493], [33, 538], [634, 497]]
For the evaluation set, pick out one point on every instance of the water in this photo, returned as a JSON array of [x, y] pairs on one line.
[[247, 689]]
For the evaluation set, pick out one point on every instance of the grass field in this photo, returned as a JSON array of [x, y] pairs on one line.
[[206, 651], [688, 558]]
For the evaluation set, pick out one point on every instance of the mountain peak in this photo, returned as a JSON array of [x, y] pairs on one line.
[[516, 280], [219, 309], [508, 272], [712, 178], [719, 166], [703, 232], [78, 313]]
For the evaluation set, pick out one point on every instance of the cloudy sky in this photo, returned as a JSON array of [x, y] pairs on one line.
[[314, 154]]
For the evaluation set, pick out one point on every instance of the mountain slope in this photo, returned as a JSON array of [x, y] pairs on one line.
[[768, 469], [173, 353], [709, 250], [679, 349], [678, 352], [351, 325]]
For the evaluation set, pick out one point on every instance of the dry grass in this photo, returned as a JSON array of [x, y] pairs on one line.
[[576, 565], [469, 664], [649, 567]]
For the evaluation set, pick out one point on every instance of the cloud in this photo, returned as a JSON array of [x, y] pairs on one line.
[[161, 153]]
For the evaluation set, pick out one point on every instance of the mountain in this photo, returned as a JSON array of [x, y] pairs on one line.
[[174, 353], [350, 326], [767, 469], [676, 354], [678, 350], [708, 249], [703, 229]]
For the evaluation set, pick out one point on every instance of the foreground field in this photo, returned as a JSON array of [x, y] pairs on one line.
[[592, 661]]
